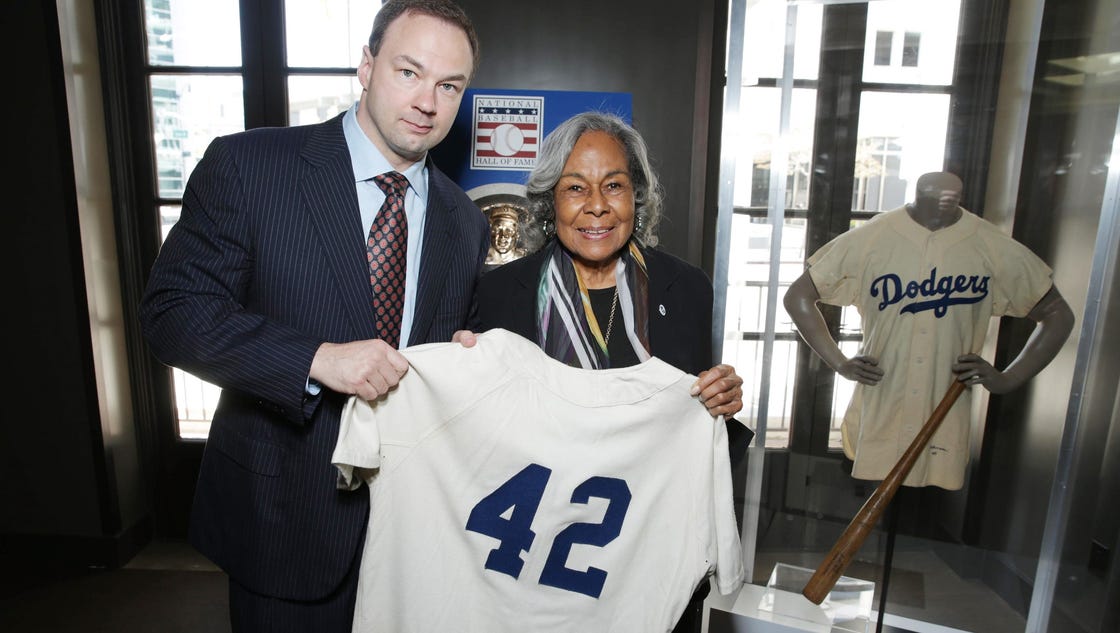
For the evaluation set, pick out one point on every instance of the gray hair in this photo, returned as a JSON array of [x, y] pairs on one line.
[[540, 189]]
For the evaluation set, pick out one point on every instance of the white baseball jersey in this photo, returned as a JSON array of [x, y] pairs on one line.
[[925, 298], [510, 492]]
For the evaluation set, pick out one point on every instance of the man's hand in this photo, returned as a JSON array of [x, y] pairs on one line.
[[720, 389], [466, 338], [368, 369]]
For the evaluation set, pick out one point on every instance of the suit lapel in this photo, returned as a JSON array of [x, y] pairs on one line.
[[440, 233], [528, 278], [530, 274], [330, 197]]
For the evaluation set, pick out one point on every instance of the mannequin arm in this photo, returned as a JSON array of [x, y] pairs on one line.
[[1054, 322], [801, 304]]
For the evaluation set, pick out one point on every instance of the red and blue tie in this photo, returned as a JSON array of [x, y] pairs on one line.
[[386, 251]]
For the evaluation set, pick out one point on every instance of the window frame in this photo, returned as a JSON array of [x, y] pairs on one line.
[[839, 88], [125, 72]]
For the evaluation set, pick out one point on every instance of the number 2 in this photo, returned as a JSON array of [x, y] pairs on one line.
[[521, 495]]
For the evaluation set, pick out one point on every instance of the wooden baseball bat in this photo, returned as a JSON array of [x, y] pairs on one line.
[[833, 566]]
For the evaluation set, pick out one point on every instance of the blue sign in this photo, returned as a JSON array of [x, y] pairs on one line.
[[497, 135]]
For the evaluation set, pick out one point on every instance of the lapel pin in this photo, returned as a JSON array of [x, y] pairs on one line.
[[661, 309]]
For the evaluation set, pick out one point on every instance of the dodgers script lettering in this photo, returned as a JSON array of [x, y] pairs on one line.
[[939, 292]]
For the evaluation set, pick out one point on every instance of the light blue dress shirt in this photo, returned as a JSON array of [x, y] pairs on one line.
[[368, 162]]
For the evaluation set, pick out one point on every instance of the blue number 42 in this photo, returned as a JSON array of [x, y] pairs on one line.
[[521, 496]]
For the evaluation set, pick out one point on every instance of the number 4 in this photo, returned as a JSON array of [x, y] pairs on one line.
[[521, 494]]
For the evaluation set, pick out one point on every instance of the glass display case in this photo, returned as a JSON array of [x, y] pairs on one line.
[[833, 109]]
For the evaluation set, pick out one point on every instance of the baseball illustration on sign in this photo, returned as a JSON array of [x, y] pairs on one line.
[[507, 132]]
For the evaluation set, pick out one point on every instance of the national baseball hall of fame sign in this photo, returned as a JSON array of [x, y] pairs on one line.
[[494, 144], [507, 132], [497, 135]]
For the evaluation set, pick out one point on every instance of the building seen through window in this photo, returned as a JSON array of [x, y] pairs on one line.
[[890, 153], [196, 92]]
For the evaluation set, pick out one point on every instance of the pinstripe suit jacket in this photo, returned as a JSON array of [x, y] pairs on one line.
[[266, 263]]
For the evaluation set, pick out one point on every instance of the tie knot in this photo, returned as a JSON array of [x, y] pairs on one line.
[[392, 183]]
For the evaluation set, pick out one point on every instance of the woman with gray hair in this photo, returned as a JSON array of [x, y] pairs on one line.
[[596, 294], [550, 167]]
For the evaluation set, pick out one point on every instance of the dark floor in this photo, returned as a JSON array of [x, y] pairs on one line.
[[167, 588], [170, 588]]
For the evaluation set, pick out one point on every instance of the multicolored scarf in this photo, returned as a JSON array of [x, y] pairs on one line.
[[567, 329]]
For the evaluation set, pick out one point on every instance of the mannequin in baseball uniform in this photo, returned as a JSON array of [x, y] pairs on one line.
[[926, 279]]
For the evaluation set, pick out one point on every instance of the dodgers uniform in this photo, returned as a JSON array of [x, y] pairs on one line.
[[510, 492], [925, 297]]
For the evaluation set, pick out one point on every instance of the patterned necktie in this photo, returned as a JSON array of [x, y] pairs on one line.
[[386, 251]]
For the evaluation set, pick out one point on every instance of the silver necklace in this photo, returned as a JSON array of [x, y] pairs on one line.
[[610, 320]]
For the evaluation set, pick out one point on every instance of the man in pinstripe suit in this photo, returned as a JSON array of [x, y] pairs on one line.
[[262, 288]]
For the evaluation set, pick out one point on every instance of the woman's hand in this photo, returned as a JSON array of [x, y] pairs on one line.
[[720, 389]]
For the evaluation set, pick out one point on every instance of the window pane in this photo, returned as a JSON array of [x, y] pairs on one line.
[[195, 401], [313, 99], [327, 34], [911, 46], [758, 125], [746, 357], [750, 270], [883, 48], [764, 42], [168, 216], [748, 277], [925, 47], [193, 32], [188, 111], [901, 136]]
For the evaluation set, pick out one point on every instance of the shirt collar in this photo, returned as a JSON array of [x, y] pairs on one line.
[[367, 161], [905, 225]]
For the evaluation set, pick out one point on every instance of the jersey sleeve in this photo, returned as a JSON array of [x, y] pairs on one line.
[[836, 269], [725, 531], [377, 435], [357, 453], [1019, 280]]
